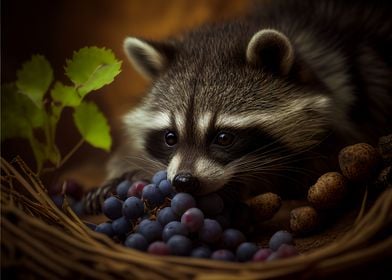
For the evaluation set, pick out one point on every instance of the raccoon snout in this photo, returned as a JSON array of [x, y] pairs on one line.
[[186, 182]]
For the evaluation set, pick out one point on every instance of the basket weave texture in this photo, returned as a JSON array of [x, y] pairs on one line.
[[41, 241]]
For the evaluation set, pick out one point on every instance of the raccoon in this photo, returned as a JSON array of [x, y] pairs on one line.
[[262, 102]]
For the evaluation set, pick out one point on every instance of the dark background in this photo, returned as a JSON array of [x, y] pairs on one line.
[[57, 28]]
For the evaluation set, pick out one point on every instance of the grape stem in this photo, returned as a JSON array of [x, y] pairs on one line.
[[71, 152], [65, 158]]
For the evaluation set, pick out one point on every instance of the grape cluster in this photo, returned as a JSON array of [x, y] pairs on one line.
[[152, 217]]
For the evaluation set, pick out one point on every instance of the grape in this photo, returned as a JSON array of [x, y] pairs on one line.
[[136, 189], [223, 255], [211, 204], [158, 248], [133, 208], [180, 245], [279, 238], [105, 228], [165, 187], [152, 195], [223, 219], [166, 215], [121, 226], [246, 251], [284, 251], [201, 252], [151, 230], [136, 241], [78, 208], [210, 232], [69, 187], [58, 200], [174, 228], [122, 189], [193, 219], [182, 202], [231, 238], [91, 226], [112, 207], [262, 255], [159, 176]]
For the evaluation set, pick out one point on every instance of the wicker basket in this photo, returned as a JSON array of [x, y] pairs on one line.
[[41, 241]]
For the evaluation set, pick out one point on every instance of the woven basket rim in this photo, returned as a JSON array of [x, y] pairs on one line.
[[106, 259]]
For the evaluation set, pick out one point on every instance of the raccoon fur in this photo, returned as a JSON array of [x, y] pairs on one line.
[[264, 102]]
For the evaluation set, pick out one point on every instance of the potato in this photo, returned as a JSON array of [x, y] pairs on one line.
[[359, 162], [264, 206], [304, 220], [328, 191]]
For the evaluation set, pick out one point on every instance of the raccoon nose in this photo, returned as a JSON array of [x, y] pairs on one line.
[[185, 182]]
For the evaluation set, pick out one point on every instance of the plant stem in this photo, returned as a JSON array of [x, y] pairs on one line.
[[70, 153]]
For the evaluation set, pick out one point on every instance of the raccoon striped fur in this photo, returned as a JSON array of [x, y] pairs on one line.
[[264, 102]]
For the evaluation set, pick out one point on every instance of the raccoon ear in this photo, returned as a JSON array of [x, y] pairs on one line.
[[271, 50], [149, 58]]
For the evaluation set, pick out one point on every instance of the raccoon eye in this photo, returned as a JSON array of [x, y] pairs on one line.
[[224, 139], [170, 138]]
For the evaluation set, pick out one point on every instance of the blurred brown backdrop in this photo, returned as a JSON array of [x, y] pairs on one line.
[[57, 28]]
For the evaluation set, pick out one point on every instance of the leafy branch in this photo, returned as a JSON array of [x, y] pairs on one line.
[[32, 106]]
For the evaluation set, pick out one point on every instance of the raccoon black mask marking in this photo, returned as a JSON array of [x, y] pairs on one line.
[[268, 97]]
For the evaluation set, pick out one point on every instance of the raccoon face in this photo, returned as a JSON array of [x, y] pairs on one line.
[[223, 112]]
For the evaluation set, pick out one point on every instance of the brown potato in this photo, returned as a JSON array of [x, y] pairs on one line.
[[328, 191], [359, 162], [264, 206], [304, 220]]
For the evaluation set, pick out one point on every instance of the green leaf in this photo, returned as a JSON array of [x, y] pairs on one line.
[[19, 115], [65, 95], [93, 125], [91, 68], [35, 78]]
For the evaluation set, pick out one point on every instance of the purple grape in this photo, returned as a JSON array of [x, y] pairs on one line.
[[58, 200], [69, 187], [210, 232], [105, 228], [122, 189], [193, 219], [78, 207], [136, 241], [211, 204], [151, 230], [245, 251], [166, 215], [174, 228], [133, 208], [158, 248], [284, 251], [231, 238], [91, 226], [223, 255], [223, 219], [180, 245], [202, 252], [112, 207], [280, 237], [182, 202], [262, 255], [159, 176], [152, 195], [121, 226], [165, 187], [136, 189]]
